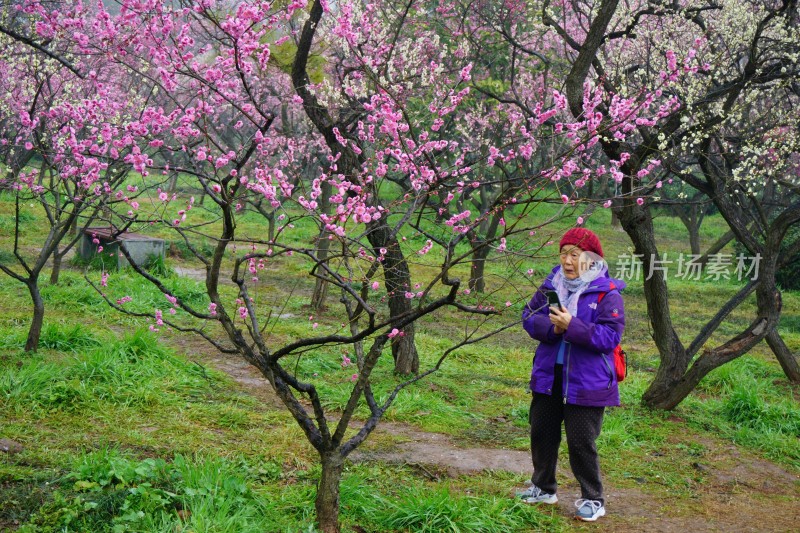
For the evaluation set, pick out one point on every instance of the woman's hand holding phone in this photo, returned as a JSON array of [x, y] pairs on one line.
[[559, 316]]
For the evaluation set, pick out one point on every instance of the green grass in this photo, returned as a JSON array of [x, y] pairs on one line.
[[106, 490], [746, 402], [8, 222], [441, 510], [134, 370], [64, 338]]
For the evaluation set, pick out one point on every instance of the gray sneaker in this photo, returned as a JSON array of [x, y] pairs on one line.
[[534, 494], [589, 510]]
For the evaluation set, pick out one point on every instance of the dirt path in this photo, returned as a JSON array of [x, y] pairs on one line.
[[741, 492]]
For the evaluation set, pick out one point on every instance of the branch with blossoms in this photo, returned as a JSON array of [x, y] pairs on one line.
[[41, 48], [160, 320]]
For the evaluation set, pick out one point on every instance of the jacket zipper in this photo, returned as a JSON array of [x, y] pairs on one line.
[[569, 350], [566, 378]]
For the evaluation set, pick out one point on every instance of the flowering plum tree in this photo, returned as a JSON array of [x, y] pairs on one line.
[[58, 120], [218, 116], [505, 78]]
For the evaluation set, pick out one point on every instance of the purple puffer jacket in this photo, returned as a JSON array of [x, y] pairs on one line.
[[591, 337]]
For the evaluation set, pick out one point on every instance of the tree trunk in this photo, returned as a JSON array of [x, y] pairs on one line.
[[615, 221], [716, 247], [694, 240], [736, 347], [477, 282], [670, 398], [692, 216], [271, 227], [327, 500], [785, 356], [768, 299], [323, 245], [638, 224], [395, 267], [404, 350], [172, 184], [694, 236], [480, 250], [57, 257], [320, 293], [398, 282], [35, 331]]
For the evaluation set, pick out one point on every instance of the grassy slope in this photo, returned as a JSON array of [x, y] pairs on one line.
[[122, 432]]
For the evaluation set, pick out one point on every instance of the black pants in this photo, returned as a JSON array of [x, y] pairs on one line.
[[582, 425]]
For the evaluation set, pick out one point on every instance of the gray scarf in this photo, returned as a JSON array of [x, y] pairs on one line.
[[570, 290]]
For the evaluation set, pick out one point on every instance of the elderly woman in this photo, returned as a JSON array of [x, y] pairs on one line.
[[573, 378]]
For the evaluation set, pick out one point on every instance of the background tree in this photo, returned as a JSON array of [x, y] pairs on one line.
[[706, 91]]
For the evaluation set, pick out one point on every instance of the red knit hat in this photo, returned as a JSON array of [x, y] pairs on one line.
[[584, 239]]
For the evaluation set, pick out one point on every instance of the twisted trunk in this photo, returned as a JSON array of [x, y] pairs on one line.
[[638, 224], [327, 501], [769, 308], [398, 282], [35, 331]]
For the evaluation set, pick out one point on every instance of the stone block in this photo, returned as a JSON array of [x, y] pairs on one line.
[[141, 248]]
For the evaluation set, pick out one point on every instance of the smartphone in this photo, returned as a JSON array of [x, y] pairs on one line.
[[552, 299]]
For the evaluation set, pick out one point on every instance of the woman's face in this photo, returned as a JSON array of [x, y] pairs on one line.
[[571, 264]]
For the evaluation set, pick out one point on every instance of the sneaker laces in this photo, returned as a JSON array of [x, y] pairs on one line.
[[531, 492], [595, 505]]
